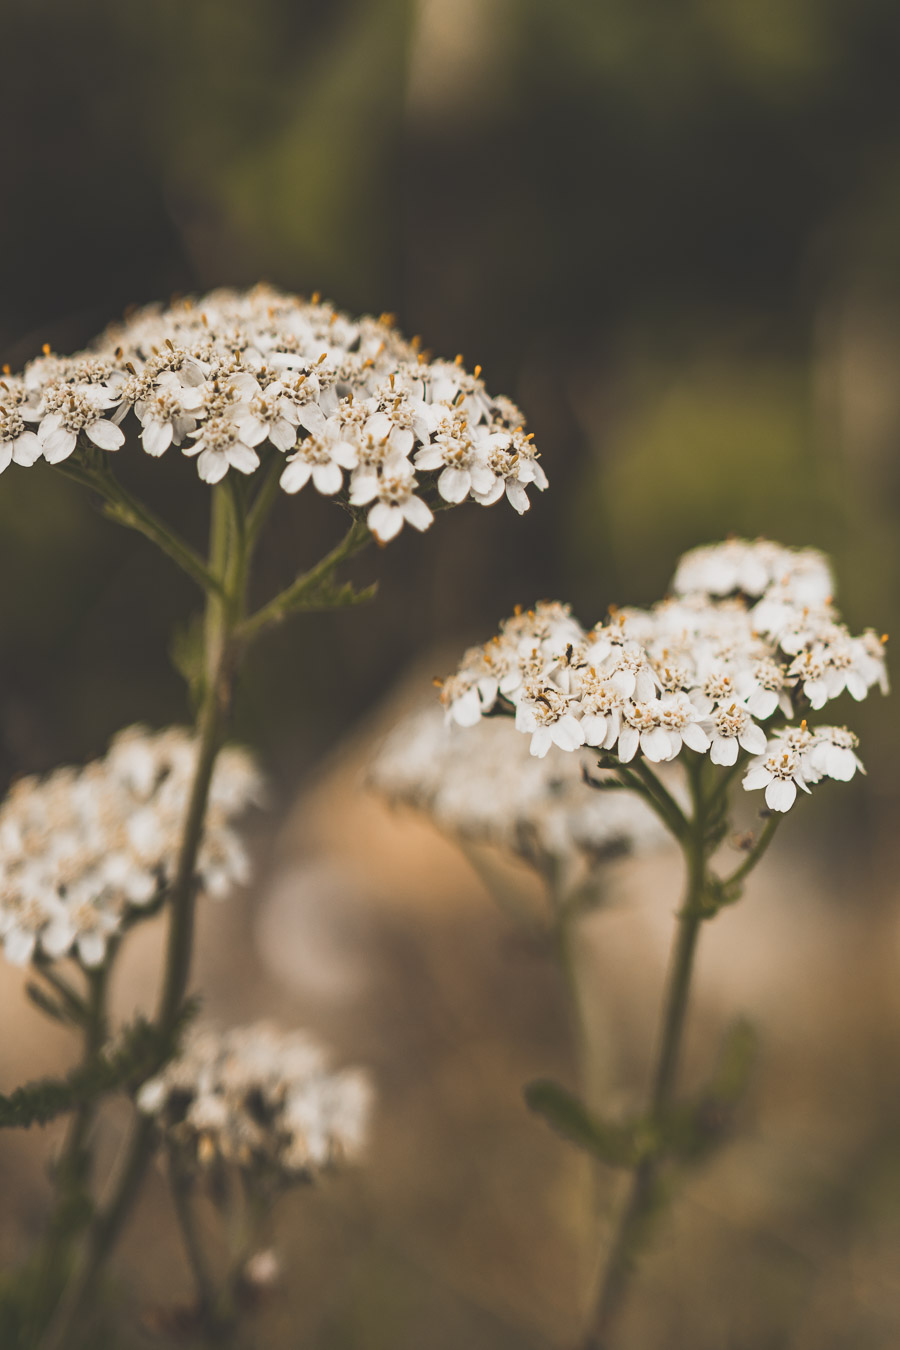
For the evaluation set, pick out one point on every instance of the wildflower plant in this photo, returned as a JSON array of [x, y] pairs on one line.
[[265, 393], [722, 680]]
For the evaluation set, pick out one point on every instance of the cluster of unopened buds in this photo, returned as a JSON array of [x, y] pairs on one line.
[[259, 1099], [748, 636], [350, 404], [83, 851]]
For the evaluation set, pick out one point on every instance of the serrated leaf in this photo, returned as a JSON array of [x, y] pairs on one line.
[[613, 1144], [344, 596], [139, 1051]]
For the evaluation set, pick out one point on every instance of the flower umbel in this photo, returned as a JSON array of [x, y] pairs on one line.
[[351, 404], [84, 850], [750, 635], [262, 1100]]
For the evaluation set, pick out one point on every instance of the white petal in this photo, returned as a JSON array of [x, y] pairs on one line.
[[385, 521], [363, 489], [763, 702], [466, 710], [484, 481], [6, 454], [417, 513], [724, 749], [345, 454], [629, 740], [623, 682], [695, 738], [282, 435], [781, 794], [402, 441], [58, 445], [753, 738], [26, 449], [92, 948], [157, 437], [56, 939], [212, 466], [105, 435], [655, 745], [567, 733], [327, 479], [518, 497], [594, 727], [18, 947], [296, 475], [429, 457], [541, 741], [242, 457], [756, 778], [454, 484]]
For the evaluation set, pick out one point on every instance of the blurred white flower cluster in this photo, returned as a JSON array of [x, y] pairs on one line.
[[349, 402], [482, 786], [750, 634], [260, 1099], [84, 849]]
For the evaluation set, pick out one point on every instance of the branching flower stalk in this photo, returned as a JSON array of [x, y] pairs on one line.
[[268, 393], [750, 635]]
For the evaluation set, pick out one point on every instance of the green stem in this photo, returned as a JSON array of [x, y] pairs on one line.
[[668, 808], [71, 1172], [127, 510], [179, 1188], [767, 834], [264, 501], [643, 1198], [228, 560], [302, 592]]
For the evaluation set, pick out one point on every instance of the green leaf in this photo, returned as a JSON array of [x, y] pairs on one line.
[[694, 1131], [139, 1051], [329, 596], [49, 1006], [614, 1144]]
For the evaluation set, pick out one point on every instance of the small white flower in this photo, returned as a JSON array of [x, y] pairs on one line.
[[322, 457], [544, 712], [256, 1098], [780, 772], [393, 492], [833, 753], [67, 410], [733, 729], [18, 444], [220, 447]]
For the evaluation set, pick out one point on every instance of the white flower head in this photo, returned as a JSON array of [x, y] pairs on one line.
[[261, 1100], [83, 851], [752, 636], [234, 376]]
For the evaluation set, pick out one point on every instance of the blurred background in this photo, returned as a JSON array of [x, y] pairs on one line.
[[670, 229]]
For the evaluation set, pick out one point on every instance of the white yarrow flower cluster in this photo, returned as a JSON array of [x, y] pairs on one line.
[[482, 786], [750, 634], [351, 405], [260, 1099], [84, 850]]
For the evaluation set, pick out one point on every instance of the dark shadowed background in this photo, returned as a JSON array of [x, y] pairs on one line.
[[670, 229]]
